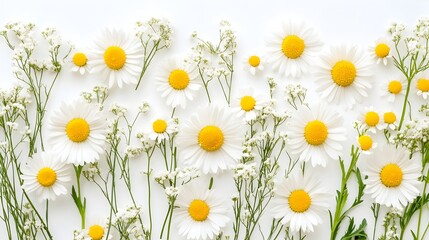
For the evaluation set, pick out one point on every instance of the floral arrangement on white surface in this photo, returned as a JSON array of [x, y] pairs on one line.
[[269, 145]]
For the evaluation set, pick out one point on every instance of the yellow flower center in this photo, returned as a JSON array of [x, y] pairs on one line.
[[79, 59], [299, 201], [77, 130], [343, 73], [372, 118], [254, 61], [96, 232], [293, 46], [247, 103], [159, 126], [391, 175], [423, 84], [389, 117], [210, 138], [365, 142], [382, 50], [199, 210], [395, 87], [115, 57], [46, 177], [178, 79], [315, 132]]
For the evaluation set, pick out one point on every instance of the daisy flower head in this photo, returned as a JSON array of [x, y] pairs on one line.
[[178, 83], [201, 213], [254, 63], [211, 140], [98, 232], [46, 176], [79, 62], [316, 134], [343, 75], [118, 56], [77, 132], [392, 177], [300, 202], [248, 104], [366, 144], [371, 119], [293, 49], [161, 128], [380, 51], [422, 85], [394, 88], [389, 120]]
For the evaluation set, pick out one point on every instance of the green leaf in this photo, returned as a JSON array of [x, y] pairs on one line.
[[76, 198], [354, 233]]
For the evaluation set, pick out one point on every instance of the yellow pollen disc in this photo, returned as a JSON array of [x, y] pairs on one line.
[[46, 176], [315, 132], [382, 50], [210, 138], [199, 210], [178, 79], [372, 118], [247, 103], [365, 142], [423, 84], [343, 73], [159, 126], [254, 61], [395, 87], [389, 117], [77, 130], [299, 201], [96, 232], [391, 175], [115, 57], [293, 46], [79, 59]]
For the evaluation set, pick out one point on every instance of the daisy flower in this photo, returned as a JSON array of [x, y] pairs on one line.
[[118, 56], [392, 177], [253, 64], [248, 104], [343, 75], [77, 132], [80, 63], [422, 85], [389, 121], [46, 176], [381, 50], [393, 89], [300, 202], [366, 145], [178, 83], [316, 135], [371, 119], [293, 49], [211, 139], [201, 213], [161, 128]]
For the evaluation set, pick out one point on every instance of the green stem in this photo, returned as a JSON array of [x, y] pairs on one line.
[[404, 106]]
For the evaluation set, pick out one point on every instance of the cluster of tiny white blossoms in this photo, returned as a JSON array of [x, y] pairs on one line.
[[396, 30], [185, 175], [295, 92], [91, 171], [154, 30], [414, 135], [245, 171], [98, 95], [133, 151]]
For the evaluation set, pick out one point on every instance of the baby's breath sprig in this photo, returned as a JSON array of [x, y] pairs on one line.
[[154, 35], [294, 93]]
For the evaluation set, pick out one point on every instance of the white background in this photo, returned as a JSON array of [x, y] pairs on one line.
[[358, 22]]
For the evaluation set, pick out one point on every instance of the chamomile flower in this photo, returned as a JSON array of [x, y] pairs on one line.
[[211, 139], [118, 56], [178, 83], [46, 176], [77, 132], [248, 104], [394, 88], [366, 145], [392, 177], [316, 135], [389, 120], [422, 85], [300, 202], [343, 75], [381, 50], [79, 62], [254, 63], [371, 119], [161, 128], [98, 232], [201, 213], [293, 49]]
